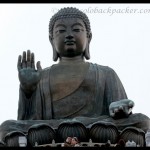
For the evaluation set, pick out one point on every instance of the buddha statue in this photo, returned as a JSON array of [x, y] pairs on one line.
[[72, 89]]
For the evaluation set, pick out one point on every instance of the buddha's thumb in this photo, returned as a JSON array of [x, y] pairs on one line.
[[38, 65]]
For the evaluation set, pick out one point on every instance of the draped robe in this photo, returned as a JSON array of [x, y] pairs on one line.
[[85, 98], [88, 95]]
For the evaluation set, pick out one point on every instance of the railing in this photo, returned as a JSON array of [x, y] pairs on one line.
[[81, 144]]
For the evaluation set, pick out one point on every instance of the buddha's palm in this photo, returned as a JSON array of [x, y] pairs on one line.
[[121, 108], [28, 75]]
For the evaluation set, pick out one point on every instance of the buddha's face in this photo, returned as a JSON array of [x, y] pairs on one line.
[[69, 37]]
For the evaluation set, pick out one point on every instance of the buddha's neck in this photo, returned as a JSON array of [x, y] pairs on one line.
[[71, 60]]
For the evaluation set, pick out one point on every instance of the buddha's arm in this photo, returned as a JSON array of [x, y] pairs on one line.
[[114, 89], [29, 78], [30, 108], [119, 105], [25, 105], [38, 105]]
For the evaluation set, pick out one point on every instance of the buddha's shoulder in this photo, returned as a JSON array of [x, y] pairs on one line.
[[102, 67], [93, 66], [45, 70]]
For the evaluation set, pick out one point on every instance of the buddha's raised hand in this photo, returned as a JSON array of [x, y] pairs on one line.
[[121, 108], [28, 75]]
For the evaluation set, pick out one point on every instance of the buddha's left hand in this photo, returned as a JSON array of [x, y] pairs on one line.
[[121, 108]]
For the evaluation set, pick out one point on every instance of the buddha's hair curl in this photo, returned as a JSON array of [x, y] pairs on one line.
[[69, 12]]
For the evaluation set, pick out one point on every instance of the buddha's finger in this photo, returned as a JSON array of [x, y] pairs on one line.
[[28, 58], [116, 110], [24, 59], [111, 112], [38, 65], [19, 62], [120, 108], [32, 61], [126, 111], [131, 104]]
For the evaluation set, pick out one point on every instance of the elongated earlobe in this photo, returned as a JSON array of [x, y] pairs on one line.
[[87, 52], [55, 55]]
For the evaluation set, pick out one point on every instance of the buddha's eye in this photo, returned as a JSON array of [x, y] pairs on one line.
[[77, 30], [61, 30]]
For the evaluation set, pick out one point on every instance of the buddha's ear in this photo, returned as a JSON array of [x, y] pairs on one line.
[[50, 38], [55, 54], [89, 37], [87, 52]]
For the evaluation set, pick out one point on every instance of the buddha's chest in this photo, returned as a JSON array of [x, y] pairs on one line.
[[67, 79]]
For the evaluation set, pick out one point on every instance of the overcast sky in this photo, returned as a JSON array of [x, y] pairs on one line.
[[121, 34]]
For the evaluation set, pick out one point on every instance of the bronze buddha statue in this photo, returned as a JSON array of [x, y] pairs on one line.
[[73, 89]]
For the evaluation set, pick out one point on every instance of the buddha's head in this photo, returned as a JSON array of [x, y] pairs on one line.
[[70, 33]]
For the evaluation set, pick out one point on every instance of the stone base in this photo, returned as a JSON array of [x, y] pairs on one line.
[[100, 134]]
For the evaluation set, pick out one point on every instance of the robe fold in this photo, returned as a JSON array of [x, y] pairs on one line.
[[87, 100], [90, 97]]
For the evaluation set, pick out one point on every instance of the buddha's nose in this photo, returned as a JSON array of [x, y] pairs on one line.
[[69, 35]]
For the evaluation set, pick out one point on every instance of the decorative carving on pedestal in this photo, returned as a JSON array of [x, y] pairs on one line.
[[12, 138], [133, 134], [40, 133], [103, 131], [72, 129]]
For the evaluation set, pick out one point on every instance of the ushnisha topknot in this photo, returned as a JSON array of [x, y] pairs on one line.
[[69, 12]]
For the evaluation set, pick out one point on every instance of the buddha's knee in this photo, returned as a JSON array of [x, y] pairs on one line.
[[137, 120], [140, 121], [8, 122], [9, 134], [5, 128]]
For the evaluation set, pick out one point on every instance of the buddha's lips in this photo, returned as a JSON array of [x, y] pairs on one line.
[[69, 42]]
